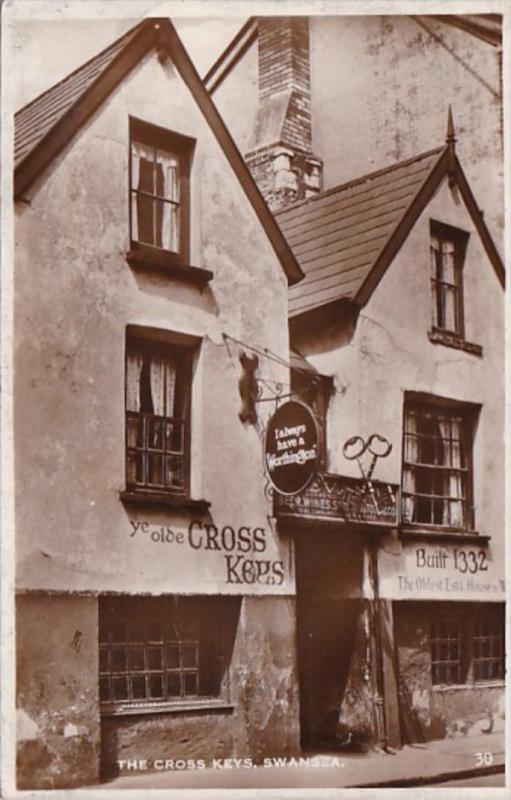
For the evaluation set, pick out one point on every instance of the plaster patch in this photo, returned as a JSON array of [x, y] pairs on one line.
[[420, 699], [26, 728], [75, 730]]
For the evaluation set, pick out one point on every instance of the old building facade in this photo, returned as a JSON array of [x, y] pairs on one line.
[[400, 594], [155, 611], [164, 310]]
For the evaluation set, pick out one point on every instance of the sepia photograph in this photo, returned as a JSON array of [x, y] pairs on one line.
[[253, 395]]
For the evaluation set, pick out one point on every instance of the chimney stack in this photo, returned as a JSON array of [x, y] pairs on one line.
[[280, 156]]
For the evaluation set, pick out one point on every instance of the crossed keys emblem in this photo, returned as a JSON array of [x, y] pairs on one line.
[[379, 447]]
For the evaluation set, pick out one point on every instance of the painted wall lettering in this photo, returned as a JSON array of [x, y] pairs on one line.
[[242, 540], [442, 572], [232, 555]]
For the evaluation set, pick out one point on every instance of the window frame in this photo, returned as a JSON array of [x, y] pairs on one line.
[[430, 404], [459, 238], [215, 622], [184, 354], [183, 148], [467, 620]]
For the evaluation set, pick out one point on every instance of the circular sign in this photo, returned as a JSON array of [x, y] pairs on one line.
[[291, 447]]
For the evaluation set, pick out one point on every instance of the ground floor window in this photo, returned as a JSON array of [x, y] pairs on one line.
[[467, 643], [154, 650]]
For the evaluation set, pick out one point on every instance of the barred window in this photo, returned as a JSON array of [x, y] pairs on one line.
[[158, 383], [436, 485], [154, 650], [446, 651], [448, 247], [488, 647], [468, 646]]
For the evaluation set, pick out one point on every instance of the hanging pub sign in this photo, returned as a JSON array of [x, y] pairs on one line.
[[291, 447]]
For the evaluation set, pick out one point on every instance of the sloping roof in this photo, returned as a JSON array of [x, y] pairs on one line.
[[47, 124], [338, 235], [345, 238], [487, 27]]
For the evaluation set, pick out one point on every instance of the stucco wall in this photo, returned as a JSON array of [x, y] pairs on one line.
[[390, 353], [387, 83], [75, 294], [57, 726]]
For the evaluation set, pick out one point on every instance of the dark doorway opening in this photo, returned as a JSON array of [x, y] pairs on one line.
[[329, 582]]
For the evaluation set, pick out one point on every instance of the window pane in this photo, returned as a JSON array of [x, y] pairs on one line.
[[154, 658], [191, 683], [169, 213], [155, 434], [156, 685], [448, 264], [155, 464], [119, 660], [144, 216], [103, 659], [173, 684], [142, 179], [190, 654], [138, 687], [173, 656], [104, 689], [120, 688], [169, 171], [137, 658], [450, 321]]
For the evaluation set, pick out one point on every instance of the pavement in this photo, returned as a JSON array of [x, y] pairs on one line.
[[474, 756]]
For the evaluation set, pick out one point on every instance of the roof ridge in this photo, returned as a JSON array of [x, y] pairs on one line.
[[354, 181], [82, 66]]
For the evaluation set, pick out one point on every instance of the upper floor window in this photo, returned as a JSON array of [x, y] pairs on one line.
[[158, 385], [448, 246], [314, 390], [437, 466], [159, 190]]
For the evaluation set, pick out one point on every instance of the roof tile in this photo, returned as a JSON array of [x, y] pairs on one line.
[[338, 235]]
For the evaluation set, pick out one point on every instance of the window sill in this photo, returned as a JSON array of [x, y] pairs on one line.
[[133, 709], [453, 534], [140, 497], [451, 340], [460, 687], [167, 264]]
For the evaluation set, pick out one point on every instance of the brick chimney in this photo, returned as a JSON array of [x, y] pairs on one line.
[[280, 155]]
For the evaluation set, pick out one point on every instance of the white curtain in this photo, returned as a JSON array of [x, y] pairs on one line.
[[163, 385], [138, 152], [410, 457], [450, 429], [133, 375], [170, 171], [157, 378]]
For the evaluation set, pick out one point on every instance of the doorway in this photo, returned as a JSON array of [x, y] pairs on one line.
[[329, 603]]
